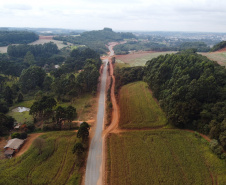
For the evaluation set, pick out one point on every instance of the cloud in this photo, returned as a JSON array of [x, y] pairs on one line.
[[17, 6]]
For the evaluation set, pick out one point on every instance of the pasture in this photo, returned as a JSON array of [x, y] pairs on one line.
[[138, 109], [55, 165], [162, 157], [139, 58], [219, 57], [59, 44]]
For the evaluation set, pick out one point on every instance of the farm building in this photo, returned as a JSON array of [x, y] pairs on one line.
[[13, 146]]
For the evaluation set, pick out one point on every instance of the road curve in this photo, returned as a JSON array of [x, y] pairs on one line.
[[93, 165]]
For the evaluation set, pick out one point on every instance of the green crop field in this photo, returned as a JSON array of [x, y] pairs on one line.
[[219, 57], [162, 157], [55, 165], [138, 109]]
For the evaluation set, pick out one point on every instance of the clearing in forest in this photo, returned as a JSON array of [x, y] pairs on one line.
[[55, 165], [218, 56], [162, 157], [138, 109], [139, 58]]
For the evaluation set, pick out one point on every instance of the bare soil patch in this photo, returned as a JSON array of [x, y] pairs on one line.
[[46, 37], [221, 50], [27, 144]]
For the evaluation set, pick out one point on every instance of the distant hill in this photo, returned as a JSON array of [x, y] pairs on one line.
[[219, 46], [97, 40]]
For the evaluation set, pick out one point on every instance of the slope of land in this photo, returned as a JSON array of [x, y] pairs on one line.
[[218, 56], [138, 108], [139, 58], [55, 165], [162, 157]]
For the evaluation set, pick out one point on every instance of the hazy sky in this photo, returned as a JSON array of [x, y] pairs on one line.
[[152, 15]]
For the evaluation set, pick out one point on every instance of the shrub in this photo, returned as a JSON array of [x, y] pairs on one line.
[[15, 135]]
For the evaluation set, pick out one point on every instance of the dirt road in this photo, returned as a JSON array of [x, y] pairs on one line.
[[27, 144]]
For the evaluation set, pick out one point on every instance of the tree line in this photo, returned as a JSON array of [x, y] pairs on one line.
[[17, 37], [219, 46], [160, 46], [191, 90]]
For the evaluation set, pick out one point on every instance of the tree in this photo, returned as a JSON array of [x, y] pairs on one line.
[[29, 58], [60, 114], [8, 95], [70, 113], [20, 97], [78, 149], [39, 143], [6, 124], [31, 78], [83, 132], [85, 124]]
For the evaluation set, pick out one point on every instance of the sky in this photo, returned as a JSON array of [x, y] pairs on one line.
[[137, 15]]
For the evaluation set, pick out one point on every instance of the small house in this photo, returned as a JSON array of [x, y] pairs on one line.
[[13, 146]]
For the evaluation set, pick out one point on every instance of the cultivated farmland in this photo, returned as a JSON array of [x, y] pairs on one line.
[[162, 157], [55, 165], [138, 109]]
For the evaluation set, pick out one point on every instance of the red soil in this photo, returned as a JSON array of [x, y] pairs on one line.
[[46, 37], [221, 50]]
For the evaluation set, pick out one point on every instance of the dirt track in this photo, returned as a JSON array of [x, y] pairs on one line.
[[27, 144]]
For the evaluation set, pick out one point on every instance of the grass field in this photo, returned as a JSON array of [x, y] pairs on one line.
[[219, 57], [138, 109], [59, 44], [56, 165], [84, 106], [162, 157], [139, 58]]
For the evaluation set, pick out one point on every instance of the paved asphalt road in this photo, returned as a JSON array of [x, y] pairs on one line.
[[95, 151]]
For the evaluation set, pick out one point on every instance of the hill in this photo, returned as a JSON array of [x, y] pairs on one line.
[[96, 40], [219, 46]]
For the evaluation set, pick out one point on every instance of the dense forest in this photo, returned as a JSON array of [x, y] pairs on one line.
[[159, 45], [22, 56], [191, 90], [219, 46], [17, 37], [28, 71], [96, 40]]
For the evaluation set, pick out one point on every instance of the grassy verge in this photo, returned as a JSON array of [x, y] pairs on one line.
[[162, 157], [138, 109], [55, 165]]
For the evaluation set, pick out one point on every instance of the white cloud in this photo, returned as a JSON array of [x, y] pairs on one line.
[[181, 15]]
